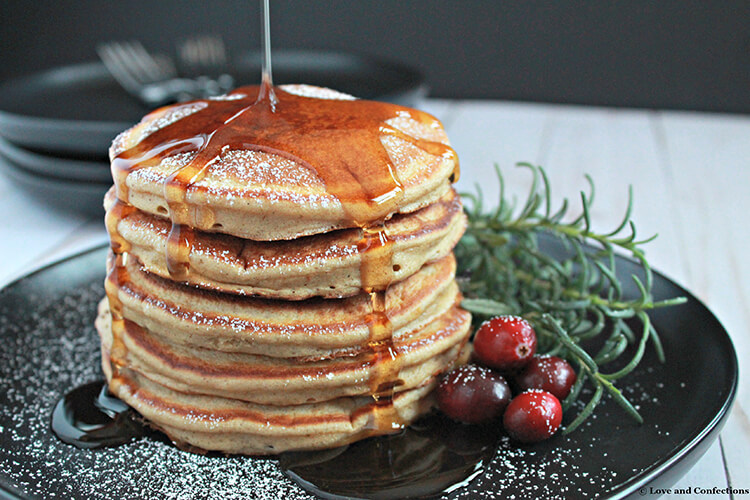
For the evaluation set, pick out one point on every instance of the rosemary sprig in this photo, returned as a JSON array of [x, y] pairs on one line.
[[573, 301]]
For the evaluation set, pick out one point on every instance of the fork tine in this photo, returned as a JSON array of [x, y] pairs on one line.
[[140, 73], [208, 50], [125, 55], [187, 52], [211, 49], [152, 69], [204, 50], [137, 54], [112, 61], [220, 51]]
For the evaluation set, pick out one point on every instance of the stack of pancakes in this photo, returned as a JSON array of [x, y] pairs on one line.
[[255, 304]]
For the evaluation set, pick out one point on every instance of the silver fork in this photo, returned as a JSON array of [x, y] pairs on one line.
[[205, 56], [151, 78]]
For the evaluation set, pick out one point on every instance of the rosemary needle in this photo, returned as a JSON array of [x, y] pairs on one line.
[[572, 301]]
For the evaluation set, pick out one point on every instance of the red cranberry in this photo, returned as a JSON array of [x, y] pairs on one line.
[[505, 343], [548, 373], [532, 416], [473, 394]]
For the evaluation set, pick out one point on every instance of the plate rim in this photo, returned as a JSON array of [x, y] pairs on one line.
[[90, 68], [715, 425], [15, 171]]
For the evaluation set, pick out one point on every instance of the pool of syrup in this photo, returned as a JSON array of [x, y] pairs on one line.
[[89, 417], [432, 456]]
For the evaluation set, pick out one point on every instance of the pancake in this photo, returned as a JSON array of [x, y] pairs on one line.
[[315, 328], [325, 265], [281, 275], [264, 194], [233, 426], [421, 355]]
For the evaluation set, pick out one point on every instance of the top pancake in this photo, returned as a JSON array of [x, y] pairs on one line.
[[266, 194]]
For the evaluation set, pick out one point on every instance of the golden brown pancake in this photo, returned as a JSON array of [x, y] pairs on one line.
[[325, 265], [422, 355], [314, 328], [262, 195], [234, 426]]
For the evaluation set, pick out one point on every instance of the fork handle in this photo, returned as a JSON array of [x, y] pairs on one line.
[[184, 89], [171, 91]]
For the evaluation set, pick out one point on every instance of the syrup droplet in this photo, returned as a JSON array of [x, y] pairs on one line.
[[433, 456], [376, 274], [89, 417]]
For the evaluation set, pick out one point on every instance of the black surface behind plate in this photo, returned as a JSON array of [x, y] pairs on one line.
[[48, 345]]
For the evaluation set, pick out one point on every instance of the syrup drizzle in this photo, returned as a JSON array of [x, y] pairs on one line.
[[376, 274], [117, 276], [266, 74]]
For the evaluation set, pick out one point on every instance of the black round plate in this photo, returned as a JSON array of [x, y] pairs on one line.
[[48, 346], [84, 197], [71, 169], [80, 108]]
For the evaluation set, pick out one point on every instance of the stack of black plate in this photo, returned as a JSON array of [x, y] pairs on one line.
[[56, 126]]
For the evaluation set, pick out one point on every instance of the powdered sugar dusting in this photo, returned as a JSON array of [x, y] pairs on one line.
[[409, 126], [172, 115], [258, 168], [235, 96], [316, 92], [245, 173]]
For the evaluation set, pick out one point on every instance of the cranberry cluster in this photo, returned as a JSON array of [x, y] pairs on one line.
[[505, 348]]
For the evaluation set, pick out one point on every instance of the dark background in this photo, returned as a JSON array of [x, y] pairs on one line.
[[657, 54]]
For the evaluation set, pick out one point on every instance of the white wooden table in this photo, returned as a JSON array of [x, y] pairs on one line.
[[691, 178]]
